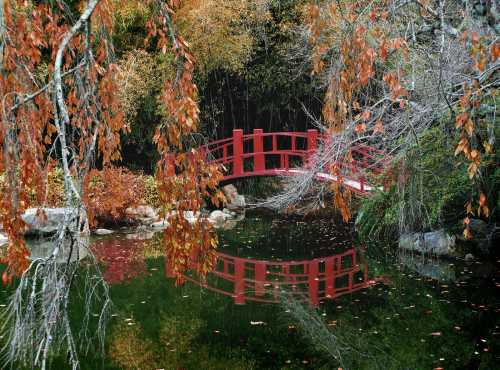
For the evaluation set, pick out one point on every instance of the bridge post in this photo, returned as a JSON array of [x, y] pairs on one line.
[[259, 159], [237, 152], [313, 283], [239, 281], [330, 277], [260, 278], [312, 142]]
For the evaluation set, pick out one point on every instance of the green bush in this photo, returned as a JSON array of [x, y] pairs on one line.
[[430, 192]]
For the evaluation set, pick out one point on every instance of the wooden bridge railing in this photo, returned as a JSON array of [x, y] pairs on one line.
[[246, 279], [249, 155]]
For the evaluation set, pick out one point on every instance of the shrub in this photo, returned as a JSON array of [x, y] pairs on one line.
[[151, 195], [110, 192], [431, 190]]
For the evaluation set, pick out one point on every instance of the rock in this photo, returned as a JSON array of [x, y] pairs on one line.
[[228, 212], [218, 218], [144, 215], [191, 216], [42, 221], [103, 232], [235, 201], [434, 242], [3, 239], [484, 236], [237, 204], [160, 225], [469, 257], [140, 235], [230, 192]]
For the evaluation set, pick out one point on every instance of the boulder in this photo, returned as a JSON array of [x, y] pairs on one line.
[[237, 204], [144, 215], [191, 216], [143, 211], [484, 236], [103, 232], [43, 221], [235, 201], [140, 235], [160, 225], [434, 242], [469, 257], [228, 212], [230, 192], [3, 239], [218, 218]]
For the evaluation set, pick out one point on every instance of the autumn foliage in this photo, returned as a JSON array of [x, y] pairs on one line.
[[110, 192], [87, 119]]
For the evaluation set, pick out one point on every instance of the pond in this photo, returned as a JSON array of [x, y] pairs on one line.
[[295, 293]]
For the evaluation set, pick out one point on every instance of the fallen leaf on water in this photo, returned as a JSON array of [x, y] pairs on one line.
[[257, 323]]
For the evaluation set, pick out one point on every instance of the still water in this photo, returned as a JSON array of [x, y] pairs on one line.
[[296, 293]]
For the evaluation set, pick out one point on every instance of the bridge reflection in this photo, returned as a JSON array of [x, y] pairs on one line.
[[318, 279]]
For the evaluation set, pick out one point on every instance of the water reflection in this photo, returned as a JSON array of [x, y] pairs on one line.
[[247, 279], [123, 258]]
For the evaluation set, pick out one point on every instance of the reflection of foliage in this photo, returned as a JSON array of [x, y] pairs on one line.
[[123, 259], [366, 333], [176, 337], [130, 349]]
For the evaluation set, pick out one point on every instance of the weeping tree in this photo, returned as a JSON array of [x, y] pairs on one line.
[[391, 70], [59, 102]]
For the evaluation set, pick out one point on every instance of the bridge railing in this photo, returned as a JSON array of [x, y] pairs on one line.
[[246, 279], [260, 154]]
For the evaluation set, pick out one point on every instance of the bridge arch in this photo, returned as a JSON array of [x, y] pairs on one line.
[[290, 153]]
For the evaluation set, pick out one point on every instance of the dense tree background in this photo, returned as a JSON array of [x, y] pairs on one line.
[[245, 76]]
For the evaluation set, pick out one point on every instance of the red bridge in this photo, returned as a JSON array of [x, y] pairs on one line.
[[291, 153], [246, 279]]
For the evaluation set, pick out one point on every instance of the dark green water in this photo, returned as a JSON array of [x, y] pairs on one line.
[[448, 319]]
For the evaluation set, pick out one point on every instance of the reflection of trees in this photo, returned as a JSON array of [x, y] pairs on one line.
[[123, 258], [131, 348]]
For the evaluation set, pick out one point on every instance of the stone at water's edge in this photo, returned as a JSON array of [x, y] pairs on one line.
[[191, 216], [434, 242], [235, 201], [103, 232], [143, 215], [48, 222], [3, 240], [230, 192], [484, 236], [160, 225], [218, 218]]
